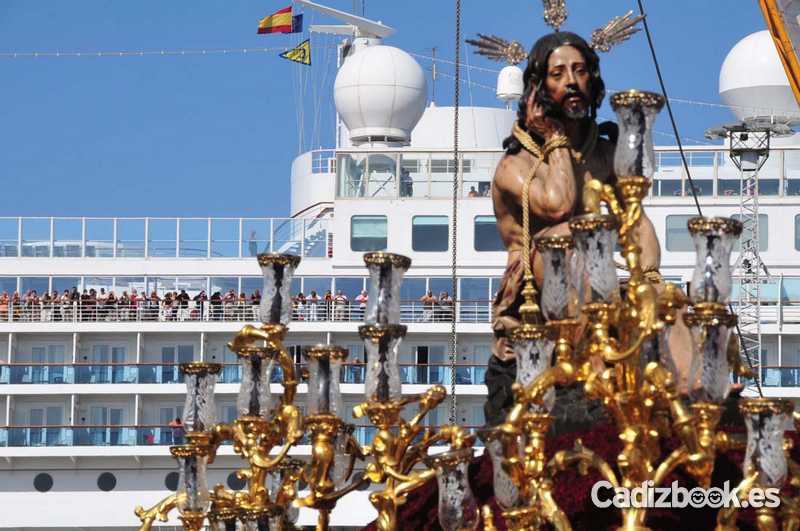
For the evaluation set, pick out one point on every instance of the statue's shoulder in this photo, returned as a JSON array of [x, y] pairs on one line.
[[510, 167]]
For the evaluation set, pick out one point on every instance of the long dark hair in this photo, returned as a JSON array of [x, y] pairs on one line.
[[536, 73]]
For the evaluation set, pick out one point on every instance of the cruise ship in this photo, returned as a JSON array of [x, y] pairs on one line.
[[89, 387]]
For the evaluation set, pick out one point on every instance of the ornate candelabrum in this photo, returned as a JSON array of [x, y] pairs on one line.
[[399, 445], [263, 424]]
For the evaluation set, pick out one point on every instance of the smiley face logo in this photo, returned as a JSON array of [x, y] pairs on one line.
[[697, 497], [714, 498]]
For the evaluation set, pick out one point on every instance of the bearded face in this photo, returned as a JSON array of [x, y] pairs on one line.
[[568, 82]]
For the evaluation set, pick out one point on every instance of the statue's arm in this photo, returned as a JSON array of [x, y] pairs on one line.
[[651, 250]]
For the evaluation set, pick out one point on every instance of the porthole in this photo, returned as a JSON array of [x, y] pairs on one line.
[[234, 482], [106, 481], [43, 482], [171, 481]]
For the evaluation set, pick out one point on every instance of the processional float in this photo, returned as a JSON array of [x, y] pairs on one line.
[[583, 312]]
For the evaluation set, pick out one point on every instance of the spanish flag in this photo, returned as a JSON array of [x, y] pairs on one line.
[[281, 22]]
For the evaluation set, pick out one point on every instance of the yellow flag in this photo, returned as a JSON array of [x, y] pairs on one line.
[[299, 54]]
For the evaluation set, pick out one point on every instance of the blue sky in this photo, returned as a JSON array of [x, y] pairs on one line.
[[215, 135]]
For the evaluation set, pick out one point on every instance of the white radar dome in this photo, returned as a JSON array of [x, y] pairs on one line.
[[753, 83], [380, 93], [509, 84]]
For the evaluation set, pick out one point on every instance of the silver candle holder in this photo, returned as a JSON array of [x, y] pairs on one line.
[[276, 299], [713, 240], [458, 510]]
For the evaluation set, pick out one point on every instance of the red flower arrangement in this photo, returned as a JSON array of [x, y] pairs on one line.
[[572, 491]]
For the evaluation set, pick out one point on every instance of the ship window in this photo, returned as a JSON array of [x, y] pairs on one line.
[[8, 284], [130, 237], [106, 481], [65, 283], [100, 237], [194, 238], [321, 285], [412, 289], [474, 300], [763, 233], [797, 232], [429, 233], [438, 285], [9, 232], [67, 237], [234, 482], [368, 233], [413, 177], [161, 237], [40, 284], [171, 481], [678, 237], [350, 287], [43, 482], [255, 236], [486, 236], [35, 237]]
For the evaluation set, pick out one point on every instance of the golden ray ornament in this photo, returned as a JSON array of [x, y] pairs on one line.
[[617, 31], [555, 13], [498, 49]]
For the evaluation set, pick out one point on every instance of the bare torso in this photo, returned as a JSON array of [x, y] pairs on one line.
[[507, 195]]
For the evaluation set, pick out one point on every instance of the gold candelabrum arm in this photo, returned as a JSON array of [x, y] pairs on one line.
[[726, 517], [584, 459], [683, 421], [562, 373], [159, 511], [393, 453], [595, 193], [272, 335]]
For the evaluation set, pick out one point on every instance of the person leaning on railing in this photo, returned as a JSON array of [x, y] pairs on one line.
[[255, 303], [215, 306], [340, 304], [45, 307], [4, 302], [299, 306], [428, 304], [313, 306], [200, 301], [445, 308]]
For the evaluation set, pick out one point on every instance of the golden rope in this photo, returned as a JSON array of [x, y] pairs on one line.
[[529, 310]]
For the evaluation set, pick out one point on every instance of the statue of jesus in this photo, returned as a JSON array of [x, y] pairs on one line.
[[555, 129]]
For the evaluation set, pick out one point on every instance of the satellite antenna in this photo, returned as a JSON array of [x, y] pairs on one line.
[[371, 31], [361, 32]]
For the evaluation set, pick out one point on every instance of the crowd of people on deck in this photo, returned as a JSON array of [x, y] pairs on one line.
[[100, 305]]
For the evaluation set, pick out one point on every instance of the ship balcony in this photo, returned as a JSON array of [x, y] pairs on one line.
[[186, 238], [88, 314], [352, 375], [130, 440], [411, 174]]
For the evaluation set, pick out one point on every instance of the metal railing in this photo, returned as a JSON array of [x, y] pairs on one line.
[[47, 237], [408, 173], [471, 311], [775, 376], [123, 435], [149, 373]]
